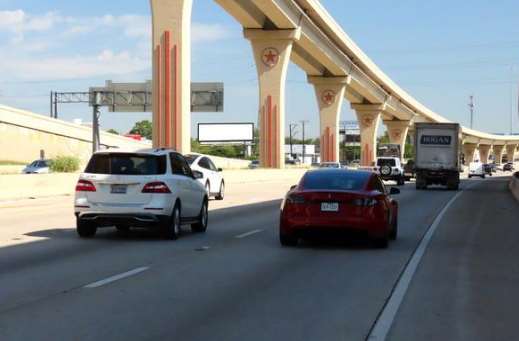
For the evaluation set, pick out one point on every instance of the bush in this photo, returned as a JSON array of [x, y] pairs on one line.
[[64, 164]]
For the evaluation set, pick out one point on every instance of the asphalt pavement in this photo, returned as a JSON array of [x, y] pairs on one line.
[[236, 283]]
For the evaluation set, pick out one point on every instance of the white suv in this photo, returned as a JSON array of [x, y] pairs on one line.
[[390, 168], [147, 188]]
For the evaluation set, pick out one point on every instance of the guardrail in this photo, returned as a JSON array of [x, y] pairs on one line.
[[514, 185]]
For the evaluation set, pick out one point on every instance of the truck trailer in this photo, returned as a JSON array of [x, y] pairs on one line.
[[438, 155]]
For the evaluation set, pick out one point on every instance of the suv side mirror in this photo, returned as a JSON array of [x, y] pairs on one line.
[[220, 170], [198, 175], [293, 187], [394, 191]]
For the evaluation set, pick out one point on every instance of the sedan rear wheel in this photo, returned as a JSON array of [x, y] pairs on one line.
[[221, 194], [288, 240], [394, 229]]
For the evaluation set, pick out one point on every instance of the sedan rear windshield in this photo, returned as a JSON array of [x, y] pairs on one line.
[[334, 180], [127, 164], [383, 162], [190, 158]]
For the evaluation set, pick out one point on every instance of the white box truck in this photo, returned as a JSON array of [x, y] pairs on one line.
[[437, 155]]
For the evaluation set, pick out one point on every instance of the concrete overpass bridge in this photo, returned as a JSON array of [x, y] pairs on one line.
[[302, 32]]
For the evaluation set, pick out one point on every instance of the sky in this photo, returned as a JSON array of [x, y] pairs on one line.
[[440, 52]]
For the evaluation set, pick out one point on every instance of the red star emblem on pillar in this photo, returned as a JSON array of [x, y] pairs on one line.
[[270, 56], [328, 97]]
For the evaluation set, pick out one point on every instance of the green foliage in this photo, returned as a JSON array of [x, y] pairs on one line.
[[228, 151], [112, 131], [409, 151], [349, 153], [143, 128], [384, 138], [64, 164]]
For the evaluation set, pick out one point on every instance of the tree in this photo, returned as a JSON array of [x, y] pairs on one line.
[[112, 131], [143, 128]]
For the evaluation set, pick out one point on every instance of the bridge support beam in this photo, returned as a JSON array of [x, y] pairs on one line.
[[498, 153], [369, 116], [484, 151], [172, 74], [397, 131], [330, 96], [468, 151], [272, 50], [510, 152]]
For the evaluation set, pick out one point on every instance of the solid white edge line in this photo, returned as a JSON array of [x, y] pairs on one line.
[[385, 320], [243, 235], [116, 277]]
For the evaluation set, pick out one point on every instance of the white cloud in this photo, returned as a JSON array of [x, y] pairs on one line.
[[208, 32], [106, 63], [18, 22]]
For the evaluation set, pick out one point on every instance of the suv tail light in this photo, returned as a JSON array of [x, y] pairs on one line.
[[85, 186], [156, 187]]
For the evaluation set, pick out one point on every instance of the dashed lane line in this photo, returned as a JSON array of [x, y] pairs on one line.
[[116, 278]]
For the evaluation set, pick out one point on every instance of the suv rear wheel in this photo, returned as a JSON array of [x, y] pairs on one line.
[[85, 229], [221, 194], [203, 219], [171, 229]]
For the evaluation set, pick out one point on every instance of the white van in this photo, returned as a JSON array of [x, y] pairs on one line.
[[476, 169]]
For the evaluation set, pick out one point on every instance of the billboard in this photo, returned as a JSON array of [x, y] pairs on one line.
[[350, 133], [225, 132]]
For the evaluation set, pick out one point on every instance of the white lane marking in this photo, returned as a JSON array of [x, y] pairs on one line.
[[243, 235], [385, 320], [116, 277]]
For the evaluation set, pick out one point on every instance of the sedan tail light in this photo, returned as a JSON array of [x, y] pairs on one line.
[[365, 202], [85, 186], [156, 187], [295, 199]]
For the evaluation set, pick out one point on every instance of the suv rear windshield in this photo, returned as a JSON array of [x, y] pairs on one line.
[[127, 164], [383, 162], [334, 180]]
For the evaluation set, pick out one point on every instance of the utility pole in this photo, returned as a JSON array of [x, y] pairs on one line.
[[471, 107], [291, 126], [95, 122], [303, 122]]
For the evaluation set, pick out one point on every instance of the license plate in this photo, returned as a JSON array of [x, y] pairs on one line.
[[330, 206], [119, 189]]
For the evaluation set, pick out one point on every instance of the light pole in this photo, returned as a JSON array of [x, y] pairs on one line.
[[303, 122], [291, 126]]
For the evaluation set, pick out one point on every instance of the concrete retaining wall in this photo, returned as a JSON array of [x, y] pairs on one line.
[[22, 186], [23, 134], [514, 185]]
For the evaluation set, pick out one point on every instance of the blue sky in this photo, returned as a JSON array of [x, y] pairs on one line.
[[440, 52]]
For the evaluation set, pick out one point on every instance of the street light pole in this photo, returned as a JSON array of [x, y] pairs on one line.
[[303, 122], [290, 127]]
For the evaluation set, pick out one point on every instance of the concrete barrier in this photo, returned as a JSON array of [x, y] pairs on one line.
[[514, 185], [22, 186]]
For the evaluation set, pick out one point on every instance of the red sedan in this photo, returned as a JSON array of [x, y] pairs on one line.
[[336, 200]]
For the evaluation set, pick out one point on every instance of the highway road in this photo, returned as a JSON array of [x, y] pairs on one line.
[[236, 283]]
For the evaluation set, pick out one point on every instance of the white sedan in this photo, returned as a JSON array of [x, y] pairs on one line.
[[212, 177]]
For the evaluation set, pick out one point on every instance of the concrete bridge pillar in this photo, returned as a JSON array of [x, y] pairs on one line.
[[272, 51], [510, 152], [468, 151], [498, 153], [397, 131], [484, 151], [369, 116], [330, 96], [172, 74]]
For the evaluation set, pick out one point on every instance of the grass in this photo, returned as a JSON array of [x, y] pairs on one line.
[[12, 163]]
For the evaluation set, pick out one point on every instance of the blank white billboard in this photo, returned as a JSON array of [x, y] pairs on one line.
[[225, 132]]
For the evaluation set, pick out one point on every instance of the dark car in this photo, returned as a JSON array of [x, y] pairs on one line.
[[337, 200], [487, 168], [508, 167], [409, 171]]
